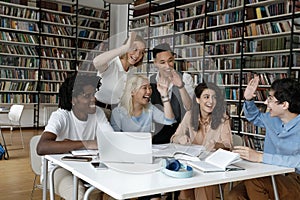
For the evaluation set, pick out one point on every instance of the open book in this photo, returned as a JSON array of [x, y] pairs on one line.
[[172, 149], [218, 161]]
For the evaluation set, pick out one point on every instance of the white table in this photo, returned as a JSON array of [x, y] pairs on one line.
[[124, 185]]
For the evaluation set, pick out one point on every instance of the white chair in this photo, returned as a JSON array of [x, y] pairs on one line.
[[35, 162], [14, 116]]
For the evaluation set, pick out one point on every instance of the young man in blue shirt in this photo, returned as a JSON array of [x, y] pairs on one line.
[[282, 140]]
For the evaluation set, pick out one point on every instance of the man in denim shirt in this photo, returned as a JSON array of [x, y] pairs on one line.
[[282, 141]]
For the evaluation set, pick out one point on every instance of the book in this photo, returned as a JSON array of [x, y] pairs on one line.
[[172, 149], [219, 161]]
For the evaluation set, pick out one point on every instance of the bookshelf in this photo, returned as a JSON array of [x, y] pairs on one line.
[[42, 43], [226, 42]]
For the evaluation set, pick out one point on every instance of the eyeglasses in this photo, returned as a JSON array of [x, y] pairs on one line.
[[271, 99], [88, 96]]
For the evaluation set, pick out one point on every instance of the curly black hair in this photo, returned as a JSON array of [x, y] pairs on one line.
[[72, 87]]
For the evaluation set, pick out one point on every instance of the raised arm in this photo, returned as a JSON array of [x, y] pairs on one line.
[[101, 61], [185, 97], [249, 93], [162, 87]]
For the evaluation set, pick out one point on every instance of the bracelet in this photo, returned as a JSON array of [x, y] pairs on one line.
[[165, 100], [167, 96], [182, 86]]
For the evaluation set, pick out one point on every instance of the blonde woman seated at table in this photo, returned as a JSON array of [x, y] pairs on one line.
[[205, 124], [135, 112]]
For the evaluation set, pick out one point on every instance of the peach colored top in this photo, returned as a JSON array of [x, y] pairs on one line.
[[205, 136]]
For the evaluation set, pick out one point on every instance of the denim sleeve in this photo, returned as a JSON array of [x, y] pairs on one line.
[[283, 160]]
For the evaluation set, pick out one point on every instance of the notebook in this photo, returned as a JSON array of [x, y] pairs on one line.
[[125, 147]]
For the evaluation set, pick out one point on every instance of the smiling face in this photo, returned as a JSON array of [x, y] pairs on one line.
[[207, 101], [164, 61], [84, 103], [136, 52], [142, 94], [274, 107]]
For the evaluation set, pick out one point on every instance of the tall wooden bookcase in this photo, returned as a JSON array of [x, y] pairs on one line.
[[42, 43], [226, 42]]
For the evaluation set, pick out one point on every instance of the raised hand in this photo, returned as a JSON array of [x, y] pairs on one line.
[[251, 88], [176, 79], [162, 87], [130, 40]]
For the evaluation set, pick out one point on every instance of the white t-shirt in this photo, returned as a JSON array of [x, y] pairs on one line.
[[113, 82], [66, 125]]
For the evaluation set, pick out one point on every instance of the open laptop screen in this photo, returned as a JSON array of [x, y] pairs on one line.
[[135, 147]]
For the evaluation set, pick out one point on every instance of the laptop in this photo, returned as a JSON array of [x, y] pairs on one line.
[[125, 147]]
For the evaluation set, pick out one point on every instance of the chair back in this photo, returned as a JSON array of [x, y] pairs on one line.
[[237, 140], [35, 159], [15, 113]]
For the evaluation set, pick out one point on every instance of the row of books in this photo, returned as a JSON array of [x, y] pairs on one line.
[[57, 30], [190, 11], [93, 13], [224, 4], [92, 34], [162, 30], [57, 53], [20, 12], [18, 50], [197, 23], [274, 61], [53, 99], [53, 75], [57, 41], [18, 74], [162, 18], [55, 64], [273, 9], [18, 98], [268, 44], [7, 60], [18, 37], [254, 29], [139, 23], [18, 24], [18, 85], [225, 19], [256, 143], [49, 87], [224, 34], [93, 24], [57, 18]]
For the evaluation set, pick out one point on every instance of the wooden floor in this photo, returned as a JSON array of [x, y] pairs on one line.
[[16, 176]]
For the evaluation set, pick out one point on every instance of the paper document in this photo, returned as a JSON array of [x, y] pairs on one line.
[[218, 161]]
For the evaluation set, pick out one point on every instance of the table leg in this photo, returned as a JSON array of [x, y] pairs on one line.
[[75, 185], [51, 182], [45, 178], [274, 188], [88, 192]]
